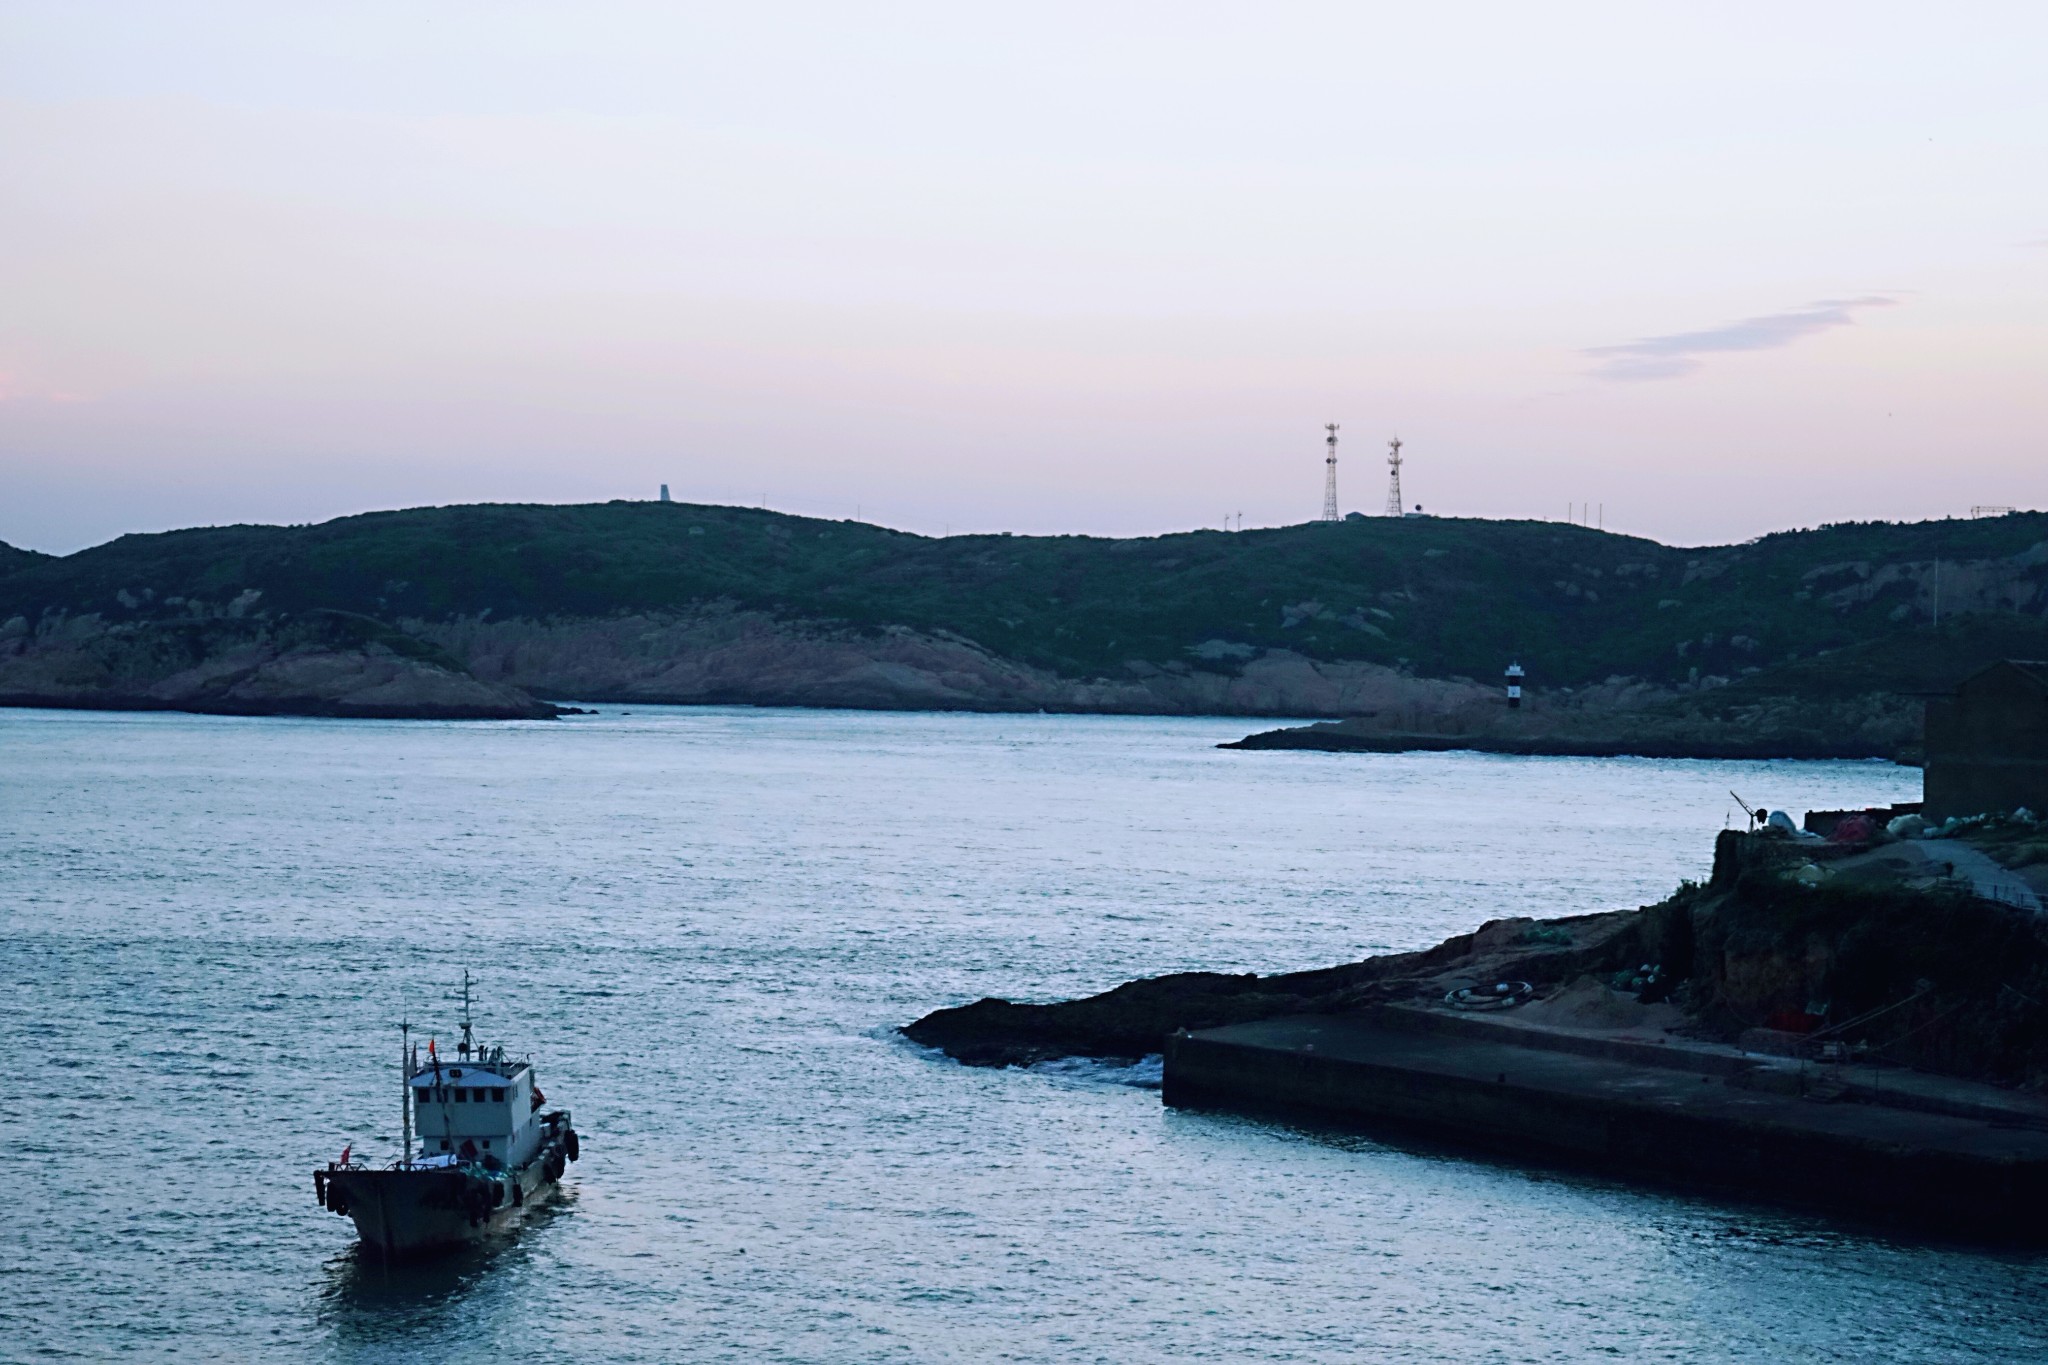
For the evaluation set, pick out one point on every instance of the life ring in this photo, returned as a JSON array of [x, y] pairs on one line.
[[1501, 995]]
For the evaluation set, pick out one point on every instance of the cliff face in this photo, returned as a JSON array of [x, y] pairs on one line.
[[318, 664], [723, 655], [1910, 965]]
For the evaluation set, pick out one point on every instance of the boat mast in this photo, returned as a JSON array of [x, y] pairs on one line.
[[405, 1079], [468, 1044]]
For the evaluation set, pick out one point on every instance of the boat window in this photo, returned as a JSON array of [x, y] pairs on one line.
[[497, 1094], [461, 1096]]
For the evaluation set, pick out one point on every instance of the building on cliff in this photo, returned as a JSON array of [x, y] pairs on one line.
[[1987, 742]]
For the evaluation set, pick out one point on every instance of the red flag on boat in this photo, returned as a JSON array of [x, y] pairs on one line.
[[430, 1049], [345, 1151]]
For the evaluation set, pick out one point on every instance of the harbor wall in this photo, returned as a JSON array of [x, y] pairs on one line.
[[1987, 1191]]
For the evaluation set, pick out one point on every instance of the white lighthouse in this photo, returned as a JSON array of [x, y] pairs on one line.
[[1514, 686]]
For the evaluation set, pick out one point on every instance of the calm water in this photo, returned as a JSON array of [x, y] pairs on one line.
[[706, 924]]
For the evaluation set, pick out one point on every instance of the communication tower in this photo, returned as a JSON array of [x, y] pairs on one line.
[[1330, 479], [1394, 477]]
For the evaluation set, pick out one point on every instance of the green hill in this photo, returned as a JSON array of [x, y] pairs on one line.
[[1438, 597], [13, 557]]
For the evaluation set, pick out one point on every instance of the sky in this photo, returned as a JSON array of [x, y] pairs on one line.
[[1710, 271]]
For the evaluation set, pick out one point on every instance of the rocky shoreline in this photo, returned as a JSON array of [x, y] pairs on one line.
[[322, 664], [1331, 737], [1779, 925], [1134, 1019]]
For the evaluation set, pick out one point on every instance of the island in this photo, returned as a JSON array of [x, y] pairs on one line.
[[1397, 629]]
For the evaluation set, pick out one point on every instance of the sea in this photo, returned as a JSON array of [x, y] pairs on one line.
[[706, 926]]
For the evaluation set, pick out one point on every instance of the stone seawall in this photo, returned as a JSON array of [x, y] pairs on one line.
[[1671, 1122]]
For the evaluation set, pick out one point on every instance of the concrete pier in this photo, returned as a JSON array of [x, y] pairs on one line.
[[1936, 1152]]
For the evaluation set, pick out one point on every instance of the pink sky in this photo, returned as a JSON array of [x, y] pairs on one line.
[[1060, 268]]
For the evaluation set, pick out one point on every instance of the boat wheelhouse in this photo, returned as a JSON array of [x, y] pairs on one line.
[[477, 1107]]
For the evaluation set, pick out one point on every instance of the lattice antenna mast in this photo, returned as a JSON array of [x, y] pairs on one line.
[[1330, 479], [1394, 477]]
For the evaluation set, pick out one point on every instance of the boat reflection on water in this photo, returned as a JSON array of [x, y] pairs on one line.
[[366, 1299]]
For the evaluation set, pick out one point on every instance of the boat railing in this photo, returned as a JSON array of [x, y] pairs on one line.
[[504, 1067]]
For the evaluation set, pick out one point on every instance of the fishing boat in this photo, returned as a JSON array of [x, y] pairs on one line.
[[489, 1149]]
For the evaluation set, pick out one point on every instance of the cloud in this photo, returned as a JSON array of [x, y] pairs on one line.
[[1668, 357]]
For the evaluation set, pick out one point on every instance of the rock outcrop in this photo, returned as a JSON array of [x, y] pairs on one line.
[[1134, 1019], [313, 664], [1645, 726]]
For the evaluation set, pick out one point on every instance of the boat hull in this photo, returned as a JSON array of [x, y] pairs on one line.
[[409, 1213], [404, 1211]]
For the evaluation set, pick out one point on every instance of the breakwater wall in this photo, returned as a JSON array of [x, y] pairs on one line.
[[1671, 1117]]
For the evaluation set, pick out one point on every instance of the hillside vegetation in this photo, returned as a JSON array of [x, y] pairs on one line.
[[1435, 597]]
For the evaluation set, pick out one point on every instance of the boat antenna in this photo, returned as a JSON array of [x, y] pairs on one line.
[[468, 1044], [405, 1079]]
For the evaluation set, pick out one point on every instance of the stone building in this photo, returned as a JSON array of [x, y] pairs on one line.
[[1987, 742]]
